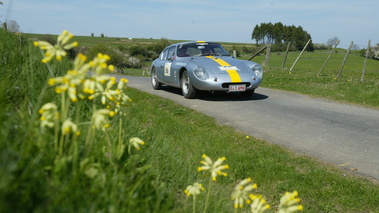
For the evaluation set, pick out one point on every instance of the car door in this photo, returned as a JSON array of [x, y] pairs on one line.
[[159, 67], [165, 69]]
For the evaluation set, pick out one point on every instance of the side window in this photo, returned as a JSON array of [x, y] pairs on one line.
[[171, 52], [218, 50], [163, 55]]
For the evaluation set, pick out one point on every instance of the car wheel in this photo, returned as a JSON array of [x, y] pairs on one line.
[[154, 81], [248, 93], [188, 90]]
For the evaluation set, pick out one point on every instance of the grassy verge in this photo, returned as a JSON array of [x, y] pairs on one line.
[[87, 177], [304, 77], [179, 136]]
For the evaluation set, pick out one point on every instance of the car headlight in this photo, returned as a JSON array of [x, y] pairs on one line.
[[200, 73], [257, 69]]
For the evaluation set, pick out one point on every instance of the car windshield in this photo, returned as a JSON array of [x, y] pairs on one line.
[[201, 49]]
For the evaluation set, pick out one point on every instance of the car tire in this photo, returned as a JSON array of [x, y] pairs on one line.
[[187, 89], [154, 80], [248, 93]]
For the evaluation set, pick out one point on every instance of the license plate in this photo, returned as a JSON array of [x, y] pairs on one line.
[[237, 88]]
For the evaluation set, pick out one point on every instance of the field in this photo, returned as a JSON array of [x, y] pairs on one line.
[[303, 78], [45, 169]]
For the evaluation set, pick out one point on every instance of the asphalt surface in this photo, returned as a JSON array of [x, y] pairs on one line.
[[341, 134]]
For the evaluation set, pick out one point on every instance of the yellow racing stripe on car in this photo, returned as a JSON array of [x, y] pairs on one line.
[[233, 74]]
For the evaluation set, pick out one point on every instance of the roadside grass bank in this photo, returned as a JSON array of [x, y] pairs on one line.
[[183, 135], [35, 178]]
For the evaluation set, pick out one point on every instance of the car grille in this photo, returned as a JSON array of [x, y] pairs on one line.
[[226, 85]]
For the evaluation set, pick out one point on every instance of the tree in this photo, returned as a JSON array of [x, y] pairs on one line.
[[331, 42], [12, 26], [279, 34], [355, 47]]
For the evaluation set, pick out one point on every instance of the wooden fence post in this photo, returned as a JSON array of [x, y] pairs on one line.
[[293, 65], [364, 64], [344, 59], [259, 51], [327, 59], [285, 56], [268, 50]]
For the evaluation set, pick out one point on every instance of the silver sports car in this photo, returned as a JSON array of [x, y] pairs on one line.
[[201, 65]]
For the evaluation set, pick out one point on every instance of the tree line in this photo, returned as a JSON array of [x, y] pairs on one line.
[[280, 35]]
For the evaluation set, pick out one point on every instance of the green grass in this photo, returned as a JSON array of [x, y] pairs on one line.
[[34, 179], [183, 135], [303, 78]]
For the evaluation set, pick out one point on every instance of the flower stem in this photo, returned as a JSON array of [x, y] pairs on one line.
[[47, 65], [209, 192], [119, 131], [194, 204], [90, 133]]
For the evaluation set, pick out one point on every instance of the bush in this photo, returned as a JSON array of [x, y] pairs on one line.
[[138, 50], [118, 59], [159, 47]]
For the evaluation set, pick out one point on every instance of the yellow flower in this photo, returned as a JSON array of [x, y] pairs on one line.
[[122, 83], [49, 114], [136, 142], [194, 189], [214, 168], [288, 203], [241, 192], [258, 204], [58, 50], [99, 65], [100, 119], [69, 127]]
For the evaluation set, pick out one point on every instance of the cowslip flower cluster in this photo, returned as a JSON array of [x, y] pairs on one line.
[[57, 50], [241, 192], [86, 80], [289, 203], [49, 115], [258, 204], [136, 142], [100, 119], [194, 189], [214, 168], [69, 127], [99, 64], [77, 83], [121, 98]]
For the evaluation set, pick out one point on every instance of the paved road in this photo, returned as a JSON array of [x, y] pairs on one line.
[[345, 135]]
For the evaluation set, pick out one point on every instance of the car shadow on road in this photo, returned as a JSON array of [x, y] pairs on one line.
[[217, 96]]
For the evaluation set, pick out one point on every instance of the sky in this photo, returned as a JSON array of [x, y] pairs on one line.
[[209, 20]]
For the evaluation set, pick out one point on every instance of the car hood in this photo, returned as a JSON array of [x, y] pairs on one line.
[[220, 64]]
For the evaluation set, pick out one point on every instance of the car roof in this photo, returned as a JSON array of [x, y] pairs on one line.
[[193, 42]]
